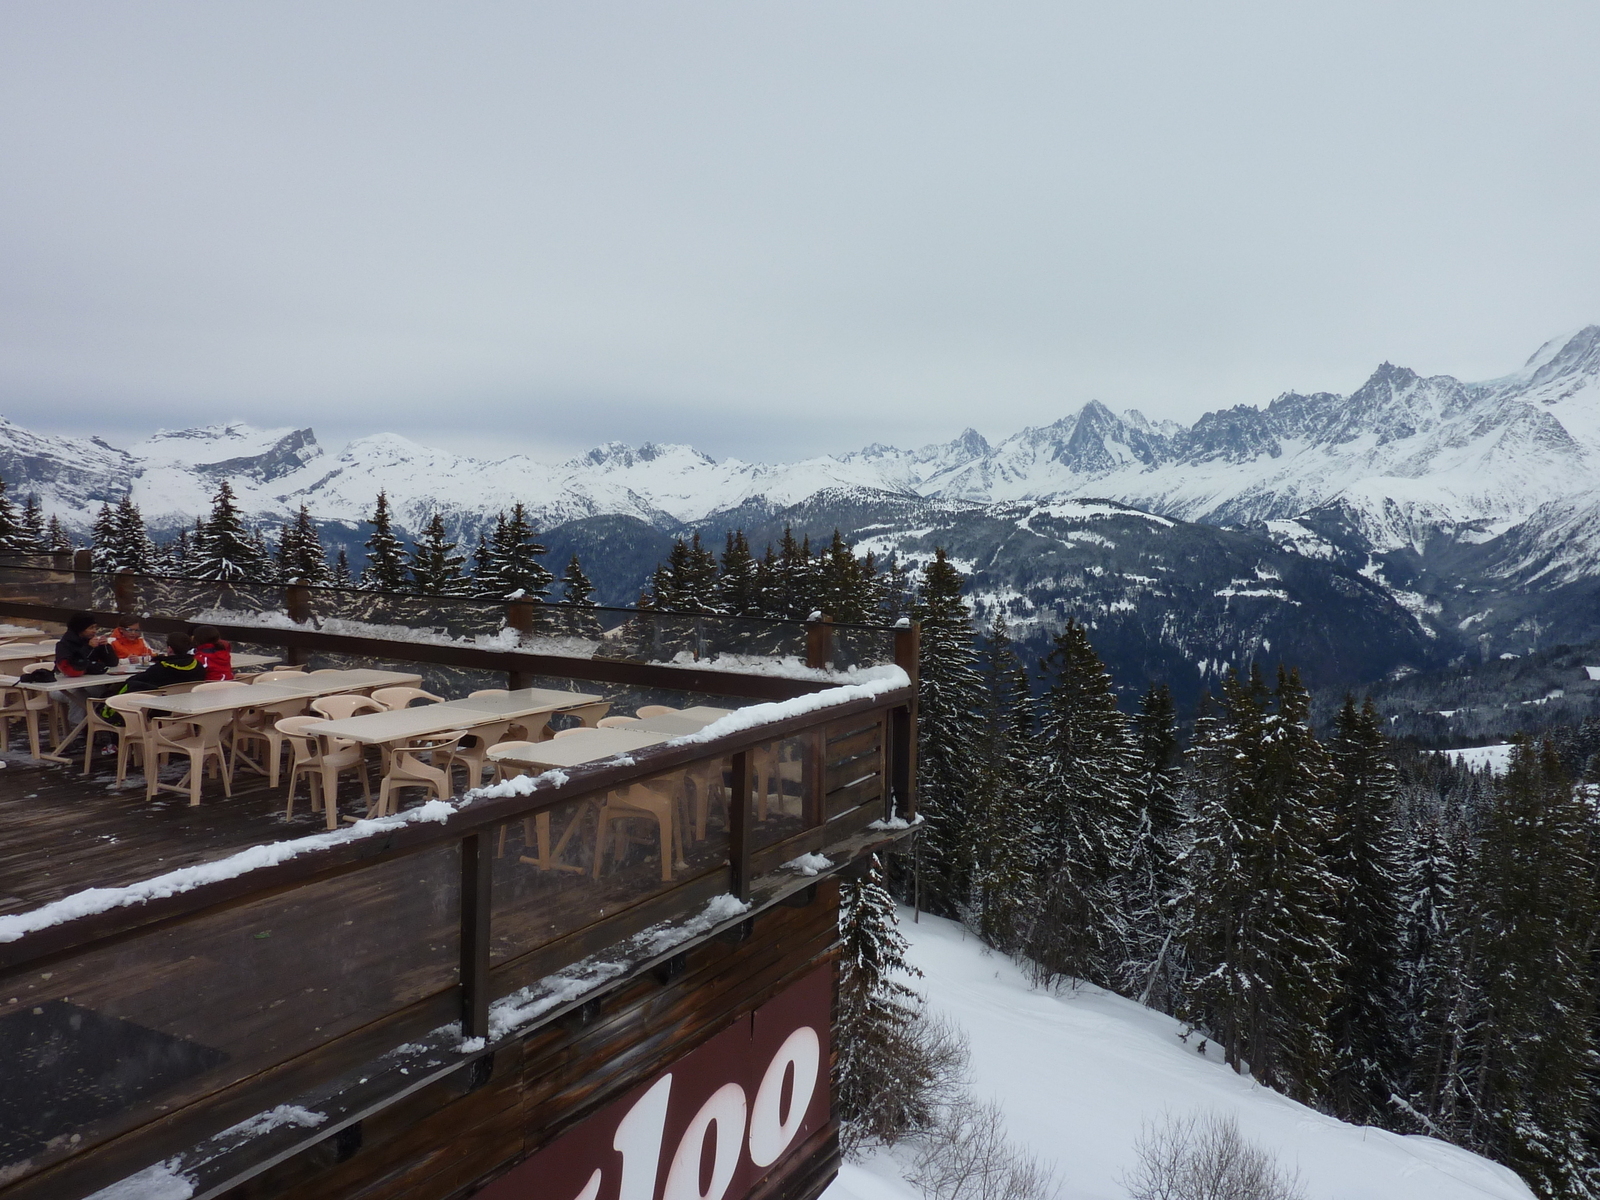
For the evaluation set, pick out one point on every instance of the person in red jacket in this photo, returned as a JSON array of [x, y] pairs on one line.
[[212, 653]]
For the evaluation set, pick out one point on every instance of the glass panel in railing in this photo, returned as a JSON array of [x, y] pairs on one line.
[[583, 861], [108, 1039], [783, 782]]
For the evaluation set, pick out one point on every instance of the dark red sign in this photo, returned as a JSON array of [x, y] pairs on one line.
[[707, 1128]]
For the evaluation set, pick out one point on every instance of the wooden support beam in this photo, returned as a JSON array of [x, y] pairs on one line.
[[740, 819], [477, 878], [819, 642]]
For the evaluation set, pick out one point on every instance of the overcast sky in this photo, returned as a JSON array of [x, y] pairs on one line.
[[775, 230]]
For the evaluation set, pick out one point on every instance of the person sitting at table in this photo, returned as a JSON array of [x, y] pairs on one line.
[[177, 665], [82, 650], [215, 655], [128, 641]]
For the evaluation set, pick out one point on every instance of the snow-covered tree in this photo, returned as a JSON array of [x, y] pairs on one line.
[[687, 581], [515, 553], [876, 1084], [13, 537], [33, 530], [341, 577], [1004, 831], [56, 540], [949, 707], [435, 566], [737, 590], [1365, 855], [1260, 922], [224, 549], [1152, 972], [577, 594], [300, 552], [386, 569], [1532, 1049], [1087, 801]]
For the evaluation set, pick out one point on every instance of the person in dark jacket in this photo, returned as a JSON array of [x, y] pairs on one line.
[[177, 665], [215, 655], [82, 650]]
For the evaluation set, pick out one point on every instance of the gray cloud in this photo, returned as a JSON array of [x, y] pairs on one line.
[[773, 231]]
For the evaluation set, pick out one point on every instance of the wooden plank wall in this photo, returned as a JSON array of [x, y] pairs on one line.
[[446, 1141]]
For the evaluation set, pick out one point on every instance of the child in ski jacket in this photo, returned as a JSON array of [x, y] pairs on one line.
[[214, 654], [177, 665], [128, 641], [81, 650]]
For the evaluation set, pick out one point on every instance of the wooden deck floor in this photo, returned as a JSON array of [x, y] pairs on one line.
[[62, 831]]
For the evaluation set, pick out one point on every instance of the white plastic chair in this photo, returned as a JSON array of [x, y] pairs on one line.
[[19, 704], [324, 758], [406, 768], [200, 739], [337, 708], [401, 697]]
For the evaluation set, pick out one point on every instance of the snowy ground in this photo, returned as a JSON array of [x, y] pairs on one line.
[[1077, 1072], [1496, 758]]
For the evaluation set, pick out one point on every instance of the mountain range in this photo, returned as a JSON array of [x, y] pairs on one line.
[[1472, 509]]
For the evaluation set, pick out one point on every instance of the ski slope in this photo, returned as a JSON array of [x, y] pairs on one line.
[[1077, 1072]]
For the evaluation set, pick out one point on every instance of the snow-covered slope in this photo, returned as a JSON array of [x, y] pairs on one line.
[[1078, 1072]]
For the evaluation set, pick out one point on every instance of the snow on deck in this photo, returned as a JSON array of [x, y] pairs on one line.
[[1077, 1073]]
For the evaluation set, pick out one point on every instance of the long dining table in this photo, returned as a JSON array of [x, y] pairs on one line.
[[473, 712]]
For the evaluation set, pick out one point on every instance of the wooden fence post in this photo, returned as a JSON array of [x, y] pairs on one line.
[[477, 899], [126, 591], [297, 603], [819, 641], [740, 819], [903, 727], [519, 616]]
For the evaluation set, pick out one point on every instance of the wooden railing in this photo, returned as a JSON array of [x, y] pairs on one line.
[[247, 990]]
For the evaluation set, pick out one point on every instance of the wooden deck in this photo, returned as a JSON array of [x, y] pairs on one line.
[[64, 831]]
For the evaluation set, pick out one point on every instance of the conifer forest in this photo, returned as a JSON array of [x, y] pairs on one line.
[[1354, 921]]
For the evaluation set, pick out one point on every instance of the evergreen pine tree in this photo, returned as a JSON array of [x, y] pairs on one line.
[[876, 1012], [104, 552], [577, 593], [341, 577], [791, 583], [226, 551], [1004, 832], [13, 537], [738, 592], [1365, 855], [516, 554], [1154, 880], [1533, 911], [435, 566], [386, 569], [485, 571], [55, 537], [134, 549], [843, 586], [769, 586], [1087, 804], [1261, 926], [300, 552], [268, 571], [949, 704], [33, 531], [894, 590], [1439, 1001]]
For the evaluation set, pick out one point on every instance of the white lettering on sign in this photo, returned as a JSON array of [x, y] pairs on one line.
[[639, 1140], [725, 1113], [770, 1131], [719, 1118]]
